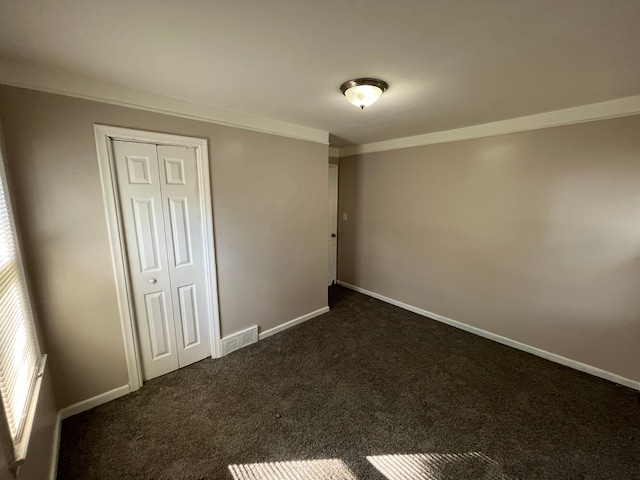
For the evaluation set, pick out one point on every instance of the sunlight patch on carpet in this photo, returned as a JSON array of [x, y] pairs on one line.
[[329, 469], [438, 466]]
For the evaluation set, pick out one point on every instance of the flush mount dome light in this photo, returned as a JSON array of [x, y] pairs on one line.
[[362, 92]]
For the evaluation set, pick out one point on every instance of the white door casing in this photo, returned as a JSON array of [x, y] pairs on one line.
[[333, 224], [105, 135]]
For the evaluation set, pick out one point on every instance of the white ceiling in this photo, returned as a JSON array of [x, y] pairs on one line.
[[449, 63]]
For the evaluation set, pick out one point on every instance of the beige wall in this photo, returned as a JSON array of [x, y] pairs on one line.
[[270, 217], [334, 161], [534, 236]]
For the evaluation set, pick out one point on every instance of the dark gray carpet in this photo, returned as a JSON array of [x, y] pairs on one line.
[[366, 379]]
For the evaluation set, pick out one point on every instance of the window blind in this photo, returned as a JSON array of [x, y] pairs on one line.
[[19, 352]]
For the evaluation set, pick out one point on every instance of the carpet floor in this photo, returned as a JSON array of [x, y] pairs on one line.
[[366, 391]]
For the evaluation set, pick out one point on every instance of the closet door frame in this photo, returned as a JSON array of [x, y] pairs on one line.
[[104, 135]]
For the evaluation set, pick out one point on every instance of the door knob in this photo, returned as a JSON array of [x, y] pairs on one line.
[[152, 280], [333, 235]]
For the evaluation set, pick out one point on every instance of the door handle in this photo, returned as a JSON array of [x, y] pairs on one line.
[[152, 280], [333, 235]]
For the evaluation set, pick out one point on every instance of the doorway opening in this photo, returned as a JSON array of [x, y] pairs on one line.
[[333, 226]]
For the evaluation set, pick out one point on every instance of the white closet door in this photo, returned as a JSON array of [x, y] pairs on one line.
[[140, 197], [180, 187]]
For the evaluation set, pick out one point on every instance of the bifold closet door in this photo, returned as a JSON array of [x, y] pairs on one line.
[[158, 192], [180, 187], [144, 229]]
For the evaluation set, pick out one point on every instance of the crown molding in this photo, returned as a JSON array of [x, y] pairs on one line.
[[620, 107], [44, 79], [25, 75]]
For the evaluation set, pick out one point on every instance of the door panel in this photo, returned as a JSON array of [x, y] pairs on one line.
[[178, 212], [187, 262], [139, 193], [174, 171], [138, 169], [145, 230], [157, 323], [189, 315]]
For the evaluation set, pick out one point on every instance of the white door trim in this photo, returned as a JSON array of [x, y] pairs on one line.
[[104, 134]]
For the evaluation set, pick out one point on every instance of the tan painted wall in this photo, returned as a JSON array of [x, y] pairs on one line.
[[270, 217], [334, 161], [534, 236]]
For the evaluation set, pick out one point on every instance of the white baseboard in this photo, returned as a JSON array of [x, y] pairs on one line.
[[567, 362], [291, 323], [238, 340], [92, 402], [53, 466]]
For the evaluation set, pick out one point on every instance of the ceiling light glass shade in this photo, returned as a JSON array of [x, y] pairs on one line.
[[363, 92]]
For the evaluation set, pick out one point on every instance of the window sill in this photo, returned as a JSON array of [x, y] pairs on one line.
[[20, 448]]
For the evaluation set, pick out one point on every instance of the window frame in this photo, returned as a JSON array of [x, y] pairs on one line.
[[19, 446]]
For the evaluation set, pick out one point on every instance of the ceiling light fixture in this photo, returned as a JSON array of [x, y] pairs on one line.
[[363, 92]]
